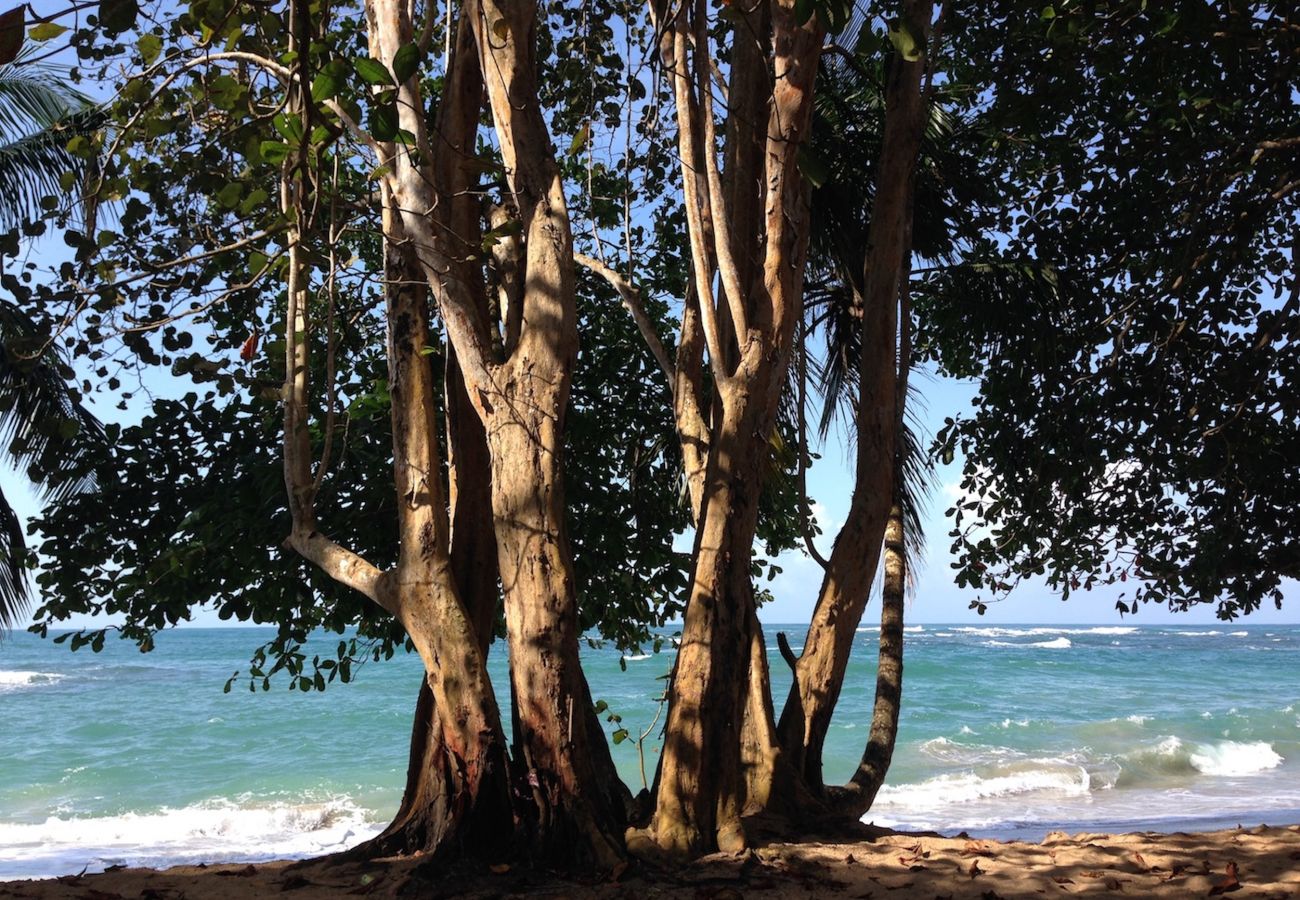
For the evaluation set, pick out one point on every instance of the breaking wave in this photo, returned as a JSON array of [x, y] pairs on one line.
[[214, 831]]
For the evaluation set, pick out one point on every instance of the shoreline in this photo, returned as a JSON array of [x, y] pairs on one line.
[[1263, 861]]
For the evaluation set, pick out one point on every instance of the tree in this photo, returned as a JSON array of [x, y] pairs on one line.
[[1136, 424], [514, 357]]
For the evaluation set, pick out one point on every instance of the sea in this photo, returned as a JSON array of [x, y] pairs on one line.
[[1010, 731]]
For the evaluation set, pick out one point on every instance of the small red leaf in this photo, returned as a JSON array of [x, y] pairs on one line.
[[249, 350]]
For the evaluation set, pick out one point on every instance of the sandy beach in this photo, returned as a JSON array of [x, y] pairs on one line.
[[1247, 862]]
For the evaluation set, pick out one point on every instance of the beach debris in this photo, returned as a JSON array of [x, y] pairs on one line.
[[1227, 884], [1063, 879], [913, 862], [977, 848], [246, 872], [974, 869]]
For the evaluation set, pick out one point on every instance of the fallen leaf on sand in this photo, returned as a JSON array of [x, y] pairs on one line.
[[1063, 879], [1142, 863], [1114, 884], [1093, 873], [977, 848], [246, 872], [1227, 884], [974, 869]]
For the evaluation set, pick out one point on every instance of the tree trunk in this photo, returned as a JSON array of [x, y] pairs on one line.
[[457, 790], [701, 783], [572, 818], [858, 795], [820, 670]]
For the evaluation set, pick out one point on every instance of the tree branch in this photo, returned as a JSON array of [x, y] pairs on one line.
[[631, 298]]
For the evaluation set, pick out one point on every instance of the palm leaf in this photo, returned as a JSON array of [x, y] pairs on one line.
[[14, 593], [32, 166], [42, 422], [34, 96]]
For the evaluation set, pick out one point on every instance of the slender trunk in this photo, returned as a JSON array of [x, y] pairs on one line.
[[820, 670], [858, 795]]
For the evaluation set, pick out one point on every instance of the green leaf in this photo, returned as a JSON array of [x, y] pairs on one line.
[[493, 237], [803, 11], [372, 71], [620, 736], [325, 85], [274, 152], [405, 62], [813, 167], [116, 16], [46, 31], [229, 195], [150, 47], [383, 122]]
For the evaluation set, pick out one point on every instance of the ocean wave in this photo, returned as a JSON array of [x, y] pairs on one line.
[[1197, 633], [18, 680], [214, 831], [1054, 777], [1228, 758], [1172, 757], [1042, 631], [1061, 643], [638, 657]]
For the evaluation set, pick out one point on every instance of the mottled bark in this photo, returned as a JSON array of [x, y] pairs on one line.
[[747, 327], [851, 567], [566, 809]]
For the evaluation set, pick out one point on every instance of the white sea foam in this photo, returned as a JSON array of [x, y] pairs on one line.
[[1238, 633], [1197, 633], [994, 631], [216, 831], [1053, 777], [1138, 720], [1228, 758], [17, 681], [638, 657], [1060, 643]]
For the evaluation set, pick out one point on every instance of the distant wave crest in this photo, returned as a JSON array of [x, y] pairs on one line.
[[17, 681]]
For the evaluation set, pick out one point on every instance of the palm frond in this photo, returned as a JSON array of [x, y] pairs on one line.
[[31, 167], [42, 422], [14, 591], [34, 96]]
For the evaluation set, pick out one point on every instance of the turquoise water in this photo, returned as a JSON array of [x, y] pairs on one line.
[[1007, 731]]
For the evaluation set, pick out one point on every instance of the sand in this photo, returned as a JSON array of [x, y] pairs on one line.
[[1244, 862]]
